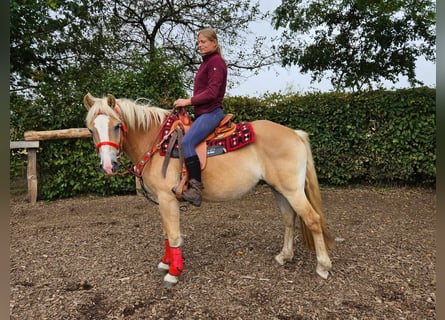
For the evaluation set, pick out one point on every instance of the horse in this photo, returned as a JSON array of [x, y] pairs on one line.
[[280, 157]]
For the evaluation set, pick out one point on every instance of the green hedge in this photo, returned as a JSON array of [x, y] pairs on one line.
[[71, 167], [378, 138]]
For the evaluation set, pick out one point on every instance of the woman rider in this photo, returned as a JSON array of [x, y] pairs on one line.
[[208, 93]]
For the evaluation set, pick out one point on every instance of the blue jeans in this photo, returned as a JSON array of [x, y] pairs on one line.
[[199, 130]]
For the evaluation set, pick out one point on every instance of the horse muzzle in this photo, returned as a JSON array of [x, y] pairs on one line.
[[108, 163], [110, 167]]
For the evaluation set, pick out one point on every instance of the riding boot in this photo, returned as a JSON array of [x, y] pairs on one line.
[[193, 192]]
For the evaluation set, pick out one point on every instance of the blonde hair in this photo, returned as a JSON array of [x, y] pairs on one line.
[[211, 35]]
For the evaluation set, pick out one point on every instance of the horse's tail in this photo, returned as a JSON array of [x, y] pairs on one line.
[[312, 191]]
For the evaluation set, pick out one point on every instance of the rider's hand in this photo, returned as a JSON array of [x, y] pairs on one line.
[[182, 103]]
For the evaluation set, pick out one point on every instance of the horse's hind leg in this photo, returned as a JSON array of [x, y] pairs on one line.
[[287, 252], [291, 204], [312, 221]]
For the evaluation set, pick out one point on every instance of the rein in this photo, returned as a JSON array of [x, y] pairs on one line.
[[137, 169]]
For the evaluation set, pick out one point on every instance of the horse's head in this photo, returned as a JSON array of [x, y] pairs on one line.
[[106, 128]]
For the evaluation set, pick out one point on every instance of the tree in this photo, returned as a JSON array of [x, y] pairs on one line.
[[48, 38], [171, 26], [361, 42], [57, 43], [73, 45]]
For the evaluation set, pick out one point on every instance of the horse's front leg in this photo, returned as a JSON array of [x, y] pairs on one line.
[[164, 265], [172, 262]]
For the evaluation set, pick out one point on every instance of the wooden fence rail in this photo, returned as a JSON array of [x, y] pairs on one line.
[[57, 134], [31, 144]]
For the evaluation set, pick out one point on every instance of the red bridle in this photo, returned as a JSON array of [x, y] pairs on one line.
[[107, 143], [137, 169], [118, 147]]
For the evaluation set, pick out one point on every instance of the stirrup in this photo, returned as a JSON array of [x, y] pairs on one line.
[[179, 197]]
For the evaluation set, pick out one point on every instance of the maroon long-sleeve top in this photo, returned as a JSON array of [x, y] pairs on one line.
[[210, 84]]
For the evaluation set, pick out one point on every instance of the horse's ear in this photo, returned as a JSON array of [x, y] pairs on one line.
[[111, 100], [88, 101]]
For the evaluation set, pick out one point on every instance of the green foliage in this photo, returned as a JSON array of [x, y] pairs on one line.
[[51, 38], [361, 43], [157, 80], [70, 167], [173, 26], [65, 167], [60, 50], [245, 109], [379, 137]]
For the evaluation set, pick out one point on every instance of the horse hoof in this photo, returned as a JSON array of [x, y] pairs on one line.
[[279, 259], [168, 285], [170, 281], [282, 259], [163, 268], [323, 267], [163, 272], [323, 273]]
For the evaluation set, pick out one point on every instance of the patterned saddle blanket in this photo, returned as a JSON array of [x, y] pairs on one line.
[[242, 135]]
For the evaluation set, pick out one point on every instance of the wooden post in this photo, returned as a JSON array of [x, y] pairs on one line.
[[32, 175], [31, 148]]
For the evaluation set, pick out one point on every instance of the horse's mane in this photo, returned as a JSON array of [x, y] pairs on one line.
[[135, 114]]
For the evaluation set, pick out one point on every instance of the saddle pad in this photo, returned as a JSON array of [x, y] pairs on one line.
[[243, 135]]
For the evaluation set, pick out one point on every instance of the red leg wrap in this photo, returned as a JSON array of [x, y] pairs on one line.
[[176, 262], [167, 258]]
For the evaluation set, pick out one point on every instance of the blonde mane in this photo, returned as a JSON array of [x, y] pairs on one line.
[[134, 114]]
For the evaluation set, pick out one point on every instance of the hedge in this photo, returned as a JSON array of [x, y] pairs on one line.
[[375, 138], [380, 137]]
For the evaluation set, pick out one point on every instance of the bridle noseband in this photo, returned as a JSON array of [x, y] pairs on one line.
[[118, 147], [108, 143]]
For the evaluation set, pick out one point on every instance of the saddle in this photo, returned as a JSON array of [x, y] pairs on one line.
[[227, 136]]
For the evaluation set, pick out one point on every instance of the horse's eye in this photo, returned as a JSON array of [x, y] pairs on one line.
[[118, 126]]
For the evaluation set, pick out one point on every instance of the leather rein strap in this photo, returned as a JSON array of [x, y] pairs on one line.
[[139, 167]]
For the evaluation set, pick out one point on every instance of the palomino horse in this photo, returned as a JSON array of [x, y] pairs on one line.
[[280, 156]]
